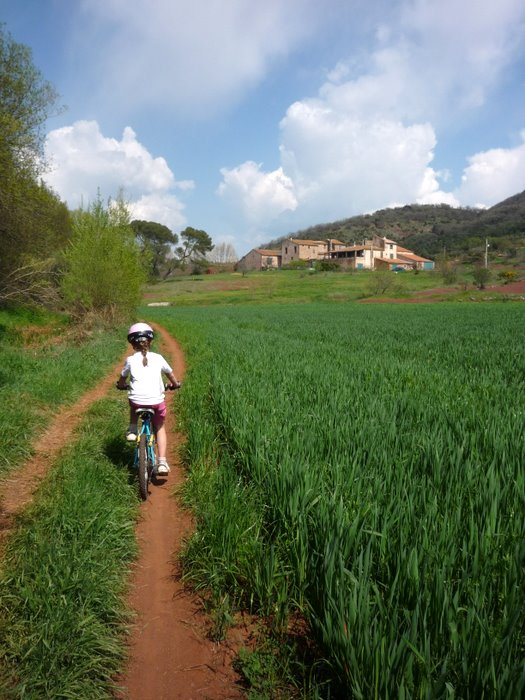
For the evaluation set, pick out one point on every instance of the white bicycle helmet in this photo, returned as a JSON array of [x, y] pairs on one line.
[[140, 330]]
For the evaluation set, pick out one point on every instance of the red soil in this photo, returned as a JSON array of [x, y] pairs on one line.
[[170, 656]]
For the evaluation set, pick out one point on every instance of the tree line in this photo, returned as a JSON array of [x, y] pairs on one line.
[[94, 259]]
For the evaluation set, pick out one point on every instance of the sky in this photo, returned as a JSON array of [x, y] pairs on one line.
[[254, 120]]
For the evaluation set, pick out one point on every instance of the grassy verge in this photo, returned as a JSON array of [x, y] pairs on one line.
[[45, 364], [65, 570]]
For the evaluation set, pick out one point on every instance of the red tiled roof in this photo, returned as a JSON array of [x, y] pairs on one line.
[[409, 255], [304, 242]]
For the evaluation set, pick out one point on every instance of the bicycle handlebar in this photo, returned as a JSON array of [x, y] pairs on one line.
[[167, 387], [173, 387]]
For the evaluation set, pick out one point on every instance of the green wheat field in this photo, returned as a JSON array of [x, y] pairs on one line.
[[367, 471], [356, 472]]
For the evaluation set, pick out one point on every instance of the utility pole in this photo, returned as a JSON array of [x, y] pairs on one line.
[[486, 253]]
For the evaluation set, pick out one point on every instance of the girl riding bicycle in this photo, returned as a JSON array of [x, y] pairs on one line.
[[144, 370]]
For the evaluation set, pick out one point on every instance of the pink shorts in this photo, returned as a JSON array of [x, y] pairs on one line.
[[159, 416]]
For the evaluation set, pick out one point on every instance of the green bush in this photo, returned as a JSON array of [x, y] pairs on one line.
[[481, 276], [508, 276], [105, 268], [297, 265], [327, 266]]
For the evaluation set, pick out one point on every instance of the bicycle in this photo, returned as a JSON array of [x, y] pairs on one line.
[[145, 455], [145, 458]]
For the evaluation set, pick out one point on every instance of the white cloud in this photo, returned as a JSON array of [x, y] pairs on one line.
[[343, 163], [456, 52], [199, 56], [368, 139], [493, 175], [261, 196], [335, 164], [160, 207], [432, 62], [430, 192], [84, 161], [188, 55]]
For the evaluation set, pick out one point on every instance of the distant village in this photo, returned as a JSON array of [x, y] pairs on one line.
[[379, 253]]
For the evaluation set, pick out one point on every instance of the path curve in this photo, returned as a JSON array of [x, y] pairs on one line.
[[17, 489], [170, 656]]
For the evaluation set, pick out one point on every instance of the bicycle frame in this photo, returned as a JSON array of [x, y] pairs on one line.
[[145, 459]]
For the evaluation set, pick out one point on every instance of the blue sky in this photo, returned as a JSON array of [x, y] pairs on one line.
[[253, 120]]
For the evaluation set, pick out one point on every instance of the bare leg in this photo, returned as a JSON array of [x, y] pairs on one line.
[[162, 441], [132, 429]]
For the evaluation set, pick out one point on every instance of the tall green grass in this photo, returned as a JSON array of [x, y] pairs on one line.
[[62, 615], [38, 376], [364, 466], [64, 566]]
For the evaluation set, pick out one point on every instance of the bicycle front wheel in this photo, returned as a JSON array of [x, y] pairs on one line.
[[143, 468]]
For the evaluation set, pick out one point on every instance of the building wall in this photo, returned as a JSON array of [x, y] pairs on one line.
[[257, 260], [376, 253], [270, 261], [294, 250]]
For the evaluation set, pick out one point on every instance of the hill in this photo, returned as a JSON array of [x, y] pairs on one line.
[[430, 229]]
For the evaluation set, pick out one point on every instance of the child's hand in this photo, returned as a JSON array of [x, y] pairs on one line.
[[173, 385]]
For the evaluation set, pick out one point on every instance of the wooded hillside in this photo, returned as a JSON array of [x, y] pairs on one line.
[[430, 229]]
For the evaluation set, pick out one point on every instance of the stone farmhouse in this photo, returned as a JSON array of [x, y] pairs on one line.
[[379, 253], [260, 259]]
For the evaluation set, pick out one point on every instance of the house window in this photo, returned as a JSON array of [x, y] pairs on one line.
[[286, 250], [295, 249], [391, 255]]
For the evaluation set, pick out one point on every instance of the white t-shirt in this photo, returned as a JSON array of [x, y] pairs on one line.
[[146, 383]]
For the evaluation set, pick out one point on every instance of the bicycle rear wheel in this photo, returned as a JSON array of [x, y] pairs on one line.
[[143, 468]]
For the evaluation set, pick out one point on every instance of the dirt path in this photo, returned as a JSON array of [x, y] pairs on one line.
[[16, 491], [170, 656]]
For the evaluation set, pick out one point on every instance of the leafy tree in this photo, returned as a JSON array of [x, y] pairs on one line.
[[195, 244], [33, 221], [156, 241], [33, 229], [26, 102], [481, 276], [105, 270]]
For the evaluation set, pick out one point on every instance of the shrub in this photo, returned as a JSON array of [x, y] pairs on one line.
[[507, 276], [481, 276], [104, 266]]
